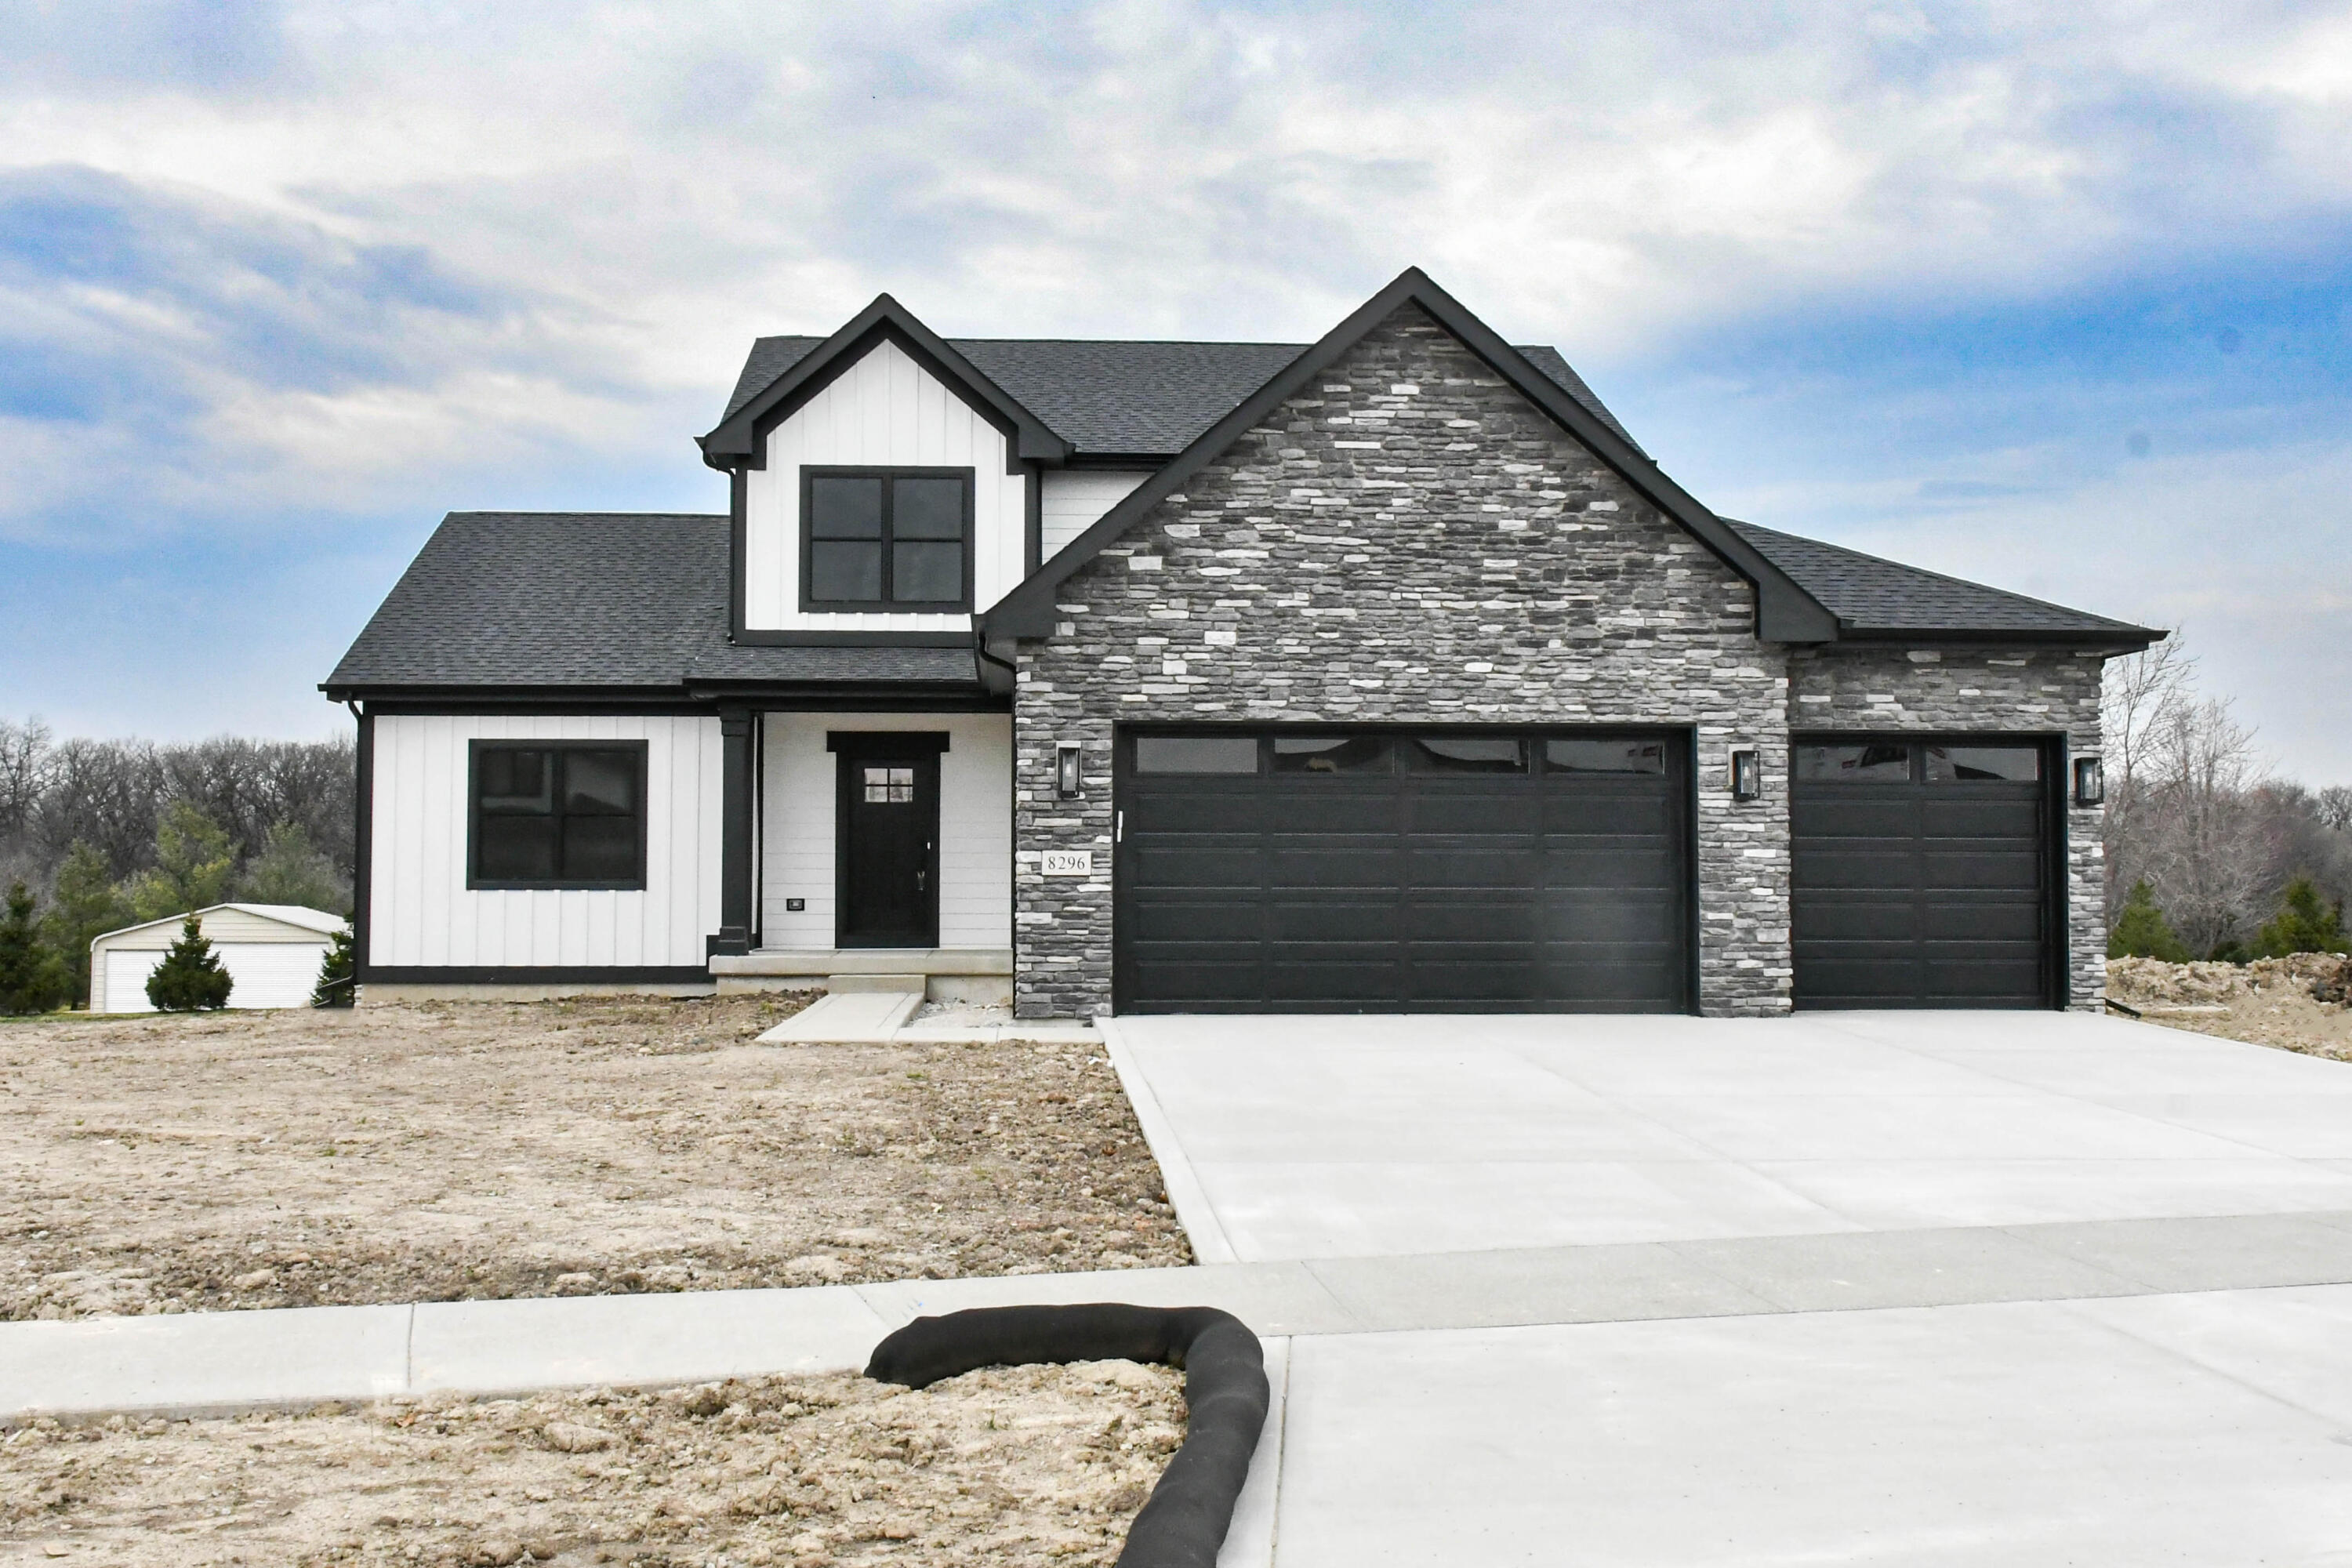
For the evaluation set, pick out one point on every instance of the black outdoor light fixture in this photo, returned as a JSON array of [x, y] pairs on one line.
[[1066, 779], [2090, 782], [1746, 774]]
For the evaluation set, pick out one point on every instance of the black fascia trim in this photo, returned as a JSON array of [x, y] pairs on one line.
[[669, 704], [363, 842], [549, 974], [780, 697], [2123, 639], [889, 744], [1784, 610], [1032, 517], [739, 546], [773, 637], [890, 474], [737, 440]]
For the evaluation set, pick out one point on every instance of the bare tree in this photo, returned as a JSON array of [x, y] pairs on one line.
[[24, 775], [2334, 808], [2142, 693], [2199, 827]]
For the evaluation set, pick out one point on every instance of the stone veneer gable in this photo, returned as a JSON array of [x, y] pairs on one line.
[[1405, 540]]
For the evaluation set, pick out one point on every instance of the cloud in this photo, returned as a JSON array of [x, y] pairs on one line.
[[305, 275]]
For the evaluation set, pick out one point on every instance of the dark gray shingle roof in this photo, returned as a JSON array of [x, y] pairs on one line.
[[585, 600], [1868, 594], [1121, 398]]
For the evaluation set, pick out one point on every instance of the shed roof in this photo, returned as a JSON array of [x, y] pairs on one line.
[[316, 922], [590, 602], [1870, 595]]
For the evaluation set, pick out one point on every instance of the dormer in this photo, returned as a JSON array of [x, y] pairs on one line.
[[883, 487]]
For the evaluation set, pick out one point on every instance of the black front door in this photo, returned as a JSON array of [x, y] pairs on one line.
[[887, 855]]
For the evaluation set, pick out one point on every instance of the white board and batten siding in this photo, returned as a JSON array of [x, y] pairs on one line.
[[975, 826], [886, 410], [420, 911], [1074, 499]]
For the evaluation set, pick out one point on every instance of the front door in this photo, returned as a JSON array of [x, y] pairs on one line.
[[888, 791]]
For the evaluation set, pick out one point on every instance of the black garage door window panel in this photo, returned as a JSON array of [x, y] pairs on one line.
[[1911, 894], [1403, 889]]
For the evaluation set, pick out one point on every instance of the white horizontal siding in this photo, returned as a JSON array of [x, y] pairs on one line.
[[1074, 499], [420, 911], [261, 974], [798, 826], [885, 410]]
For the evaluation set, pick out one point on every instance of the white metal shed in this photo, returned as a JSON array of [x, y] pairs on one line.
[[272, 953]]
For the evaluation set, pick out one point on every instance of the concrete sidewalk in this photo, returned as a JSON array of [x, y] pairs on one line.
[[212, 1362]]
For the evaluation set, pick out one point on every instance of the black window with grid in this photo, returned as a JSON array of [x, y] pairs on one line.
[[886, 539], [557, 814]]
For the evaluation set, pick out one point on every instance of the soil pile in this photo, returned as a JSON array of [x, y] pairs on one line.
[[2297, 1003]]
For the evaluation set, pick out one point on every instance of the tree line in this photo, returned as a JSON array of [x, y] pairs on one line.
[[105, 833], [2208, 854]]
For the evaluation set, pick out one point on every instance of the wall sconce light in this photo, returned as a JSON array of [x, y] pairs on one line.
[[2090, 782], [1067, 778], [1746, 774]]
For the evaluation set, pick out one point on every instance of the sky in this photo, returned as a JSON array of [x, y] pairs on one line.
[[2057, 298]]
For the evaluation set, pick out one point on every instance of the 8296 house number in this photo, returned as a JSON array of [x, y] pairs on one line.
[[1066, 863]]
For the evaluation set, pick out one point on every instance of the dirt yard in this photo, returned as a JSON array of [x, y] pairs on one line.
[[1024, 1465], [467, 1150], [2270, 1002]]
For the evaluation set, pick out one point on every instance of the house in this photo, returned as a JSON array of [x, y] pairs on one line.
[[273, 953], [1387, 673]]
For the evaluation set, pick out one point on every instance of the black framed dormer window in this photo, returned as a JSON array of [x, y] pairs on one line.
[[556, 814], [886, 539]]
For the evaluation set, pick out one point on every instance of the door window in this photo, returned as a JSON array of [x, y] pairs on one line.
[[889, 786]]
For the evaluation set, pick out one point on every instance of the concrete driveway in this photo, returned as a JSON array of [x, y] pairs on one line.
[[1863, 1287]]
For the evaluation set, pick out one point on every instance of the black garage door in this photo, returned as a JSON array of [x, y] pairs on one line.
[[1924, 870], [1325, 872]]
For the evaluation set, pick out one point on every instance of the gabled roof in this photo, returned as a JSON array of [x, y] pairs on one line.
[[1138, 399], [1873, 597], [591, 604], [1784, 612], [299, 916], [734, 441]]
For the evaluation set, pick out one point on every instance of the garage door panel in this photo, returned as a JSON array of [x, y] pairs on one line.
[[1921, 892], [1607, 867], [1946, 869], [1844, 865], [1335, 921], [1848, 811], [1428, 865], [1515, 813], [1997, 820], [1387, 888], [1646, 815]]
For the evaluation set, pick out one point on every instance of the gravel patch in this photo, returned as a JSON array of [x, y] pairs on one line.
[[1020, 1465], [463, 1151]]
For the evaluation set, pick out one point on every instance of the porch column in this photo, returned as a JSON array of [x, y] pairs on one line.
[[735, 834]]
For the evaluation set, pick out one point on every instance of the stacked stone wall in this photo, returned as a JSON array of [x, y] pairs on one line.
[[1407, 540], [2024, 691]]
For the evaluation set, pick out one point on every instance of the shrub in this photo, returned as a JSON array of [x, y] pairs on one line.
[[191, 975], [83, 904], [2141, 930], [336, 973], [2303, 925], [33, 978]]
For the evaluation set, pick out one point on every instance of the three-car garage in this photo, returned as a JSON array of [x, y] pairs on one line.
[[1322, 869]]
